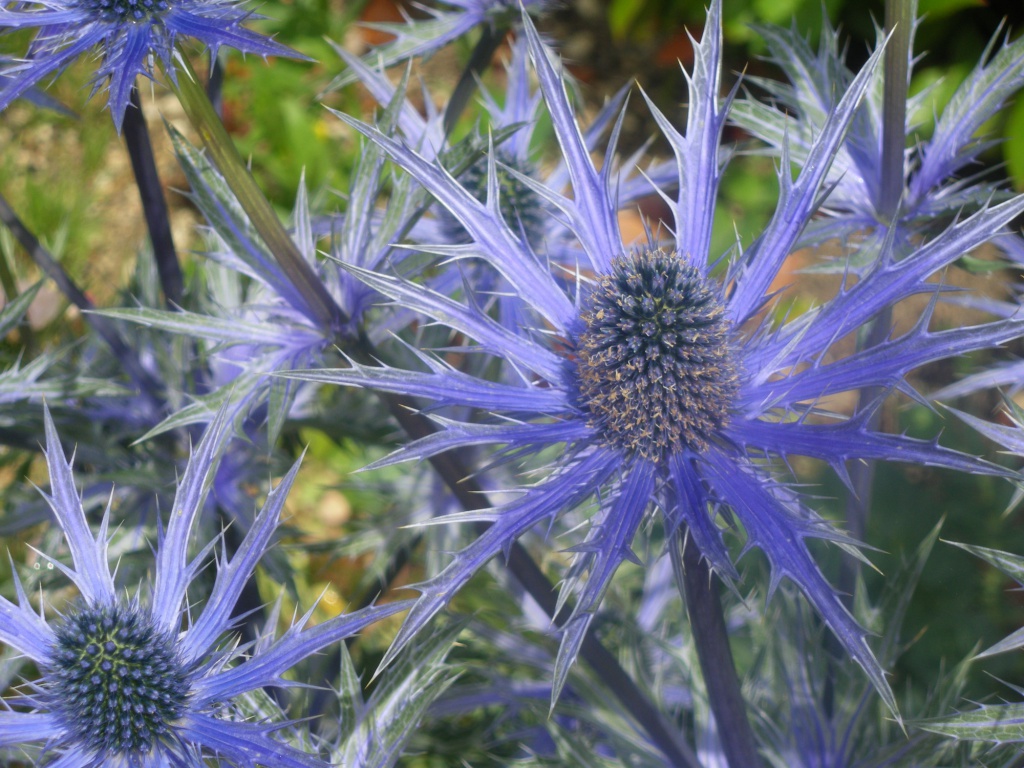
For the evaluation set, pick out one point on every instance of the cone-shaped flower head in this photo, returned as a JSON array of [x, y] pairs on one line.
[[654, 368], [115, 682], [654, 373], [133, 681], [129, 35]]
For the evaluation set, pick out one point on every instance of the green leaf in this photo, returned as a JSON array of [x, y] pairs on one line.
[[403, 694], [280, 398], [576, 752], [205, 407], [1010, 564], [900, 587], [14, 311], [200, 326], [410, 39], [350, 695], [1003, 723], [978, 266]]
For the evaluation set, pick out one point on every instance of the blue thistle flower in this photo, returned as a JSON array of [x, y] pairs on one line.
[[659, 379], [137, 682], [129, 35], [524, 184]]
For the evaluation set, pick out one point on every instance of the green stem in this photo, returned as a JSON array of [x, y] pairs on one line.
[[899, 21], [320, 305], [7, 279]]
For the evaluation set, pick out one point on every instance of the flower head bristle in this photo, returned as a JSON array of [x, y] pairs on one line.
[[655, 373], [117, 683], [124, 11]]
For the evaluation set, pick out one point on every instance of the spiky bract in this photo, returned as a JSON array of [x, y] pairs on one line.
[[938, 181], [520, 206]]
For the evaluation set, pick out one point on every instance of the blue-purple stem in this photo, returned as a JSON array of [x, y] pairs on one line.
[[700, 589], [478, 62], [154, 206], [899, 19], [471, 496]]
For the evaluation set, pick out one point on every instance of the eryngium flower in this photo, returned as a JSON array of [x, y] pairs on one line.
[[661, 380], [143, 682], [939, 178], [129, 35]]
